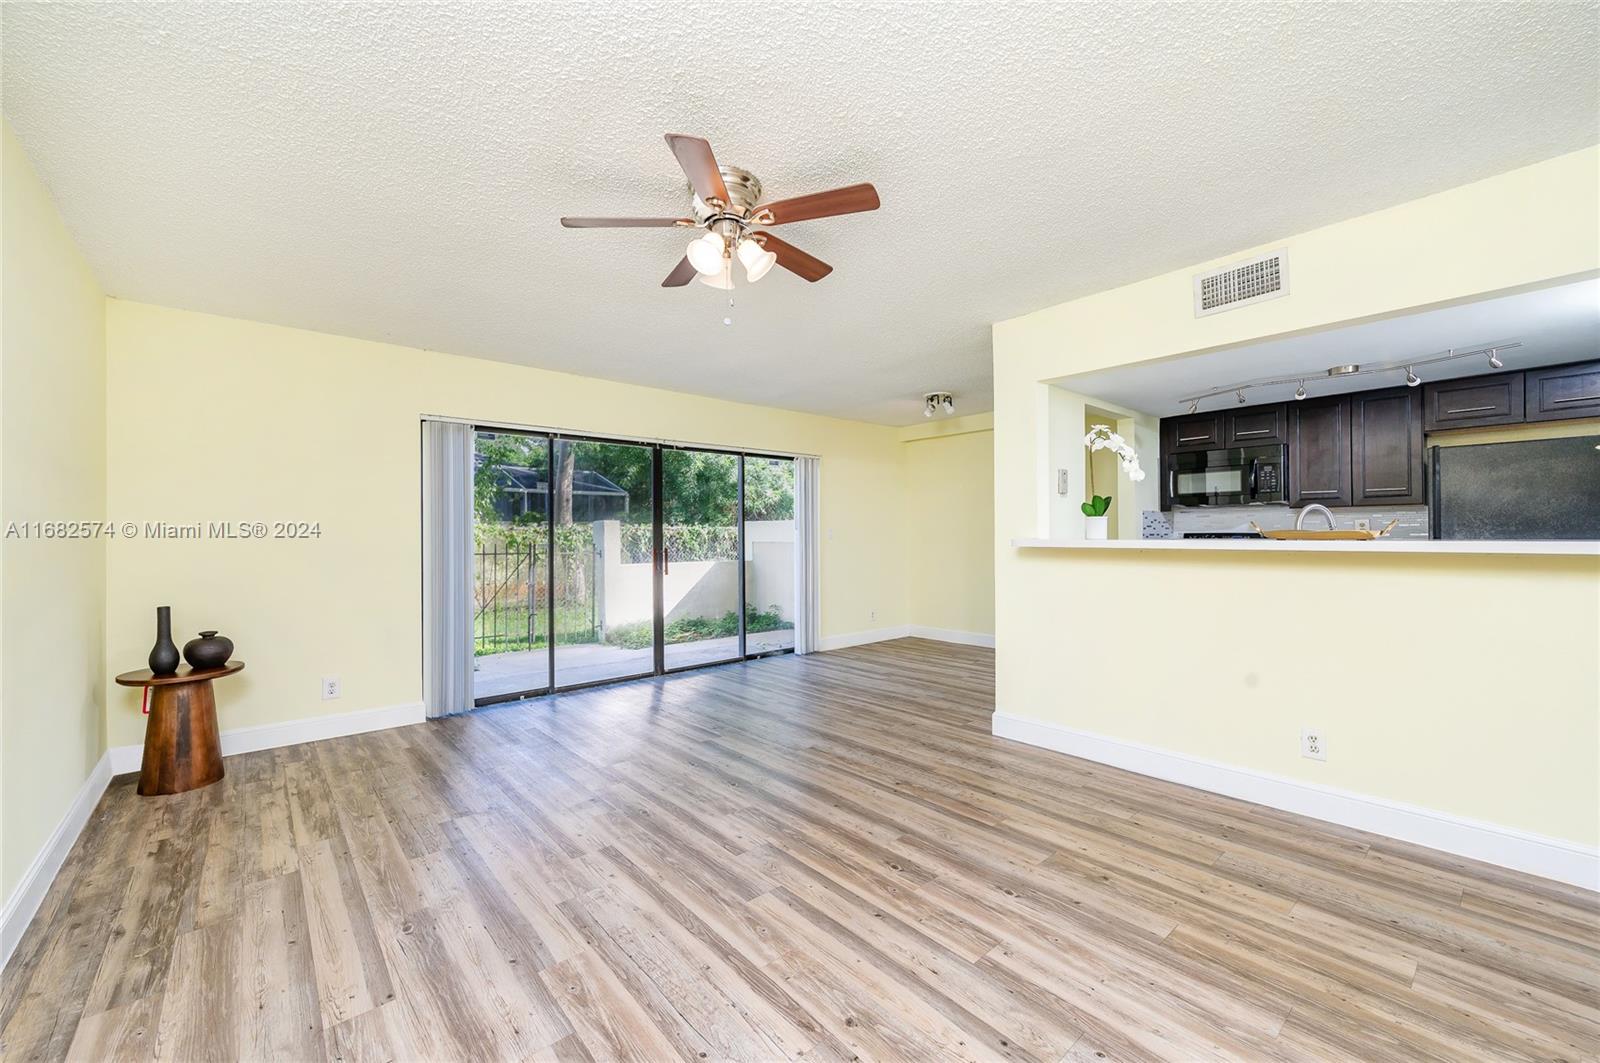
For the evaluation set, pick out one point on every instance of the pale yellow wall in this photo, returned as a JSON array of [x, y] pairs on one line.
[[215, 419], [52, 467], [1470, 684], [949, 520]]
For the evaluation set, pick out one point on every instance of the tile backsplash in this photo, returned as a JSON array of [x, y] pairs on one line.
[[1413, 520]]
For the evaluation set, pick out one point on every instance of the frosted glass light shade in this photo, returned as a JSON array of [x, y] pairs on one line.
[[705, 254], [722, 280], [757, 259]]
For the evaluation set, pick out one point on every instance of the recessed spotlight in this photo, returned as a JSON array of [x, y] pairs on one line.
[[727, 321], [1343, 370]]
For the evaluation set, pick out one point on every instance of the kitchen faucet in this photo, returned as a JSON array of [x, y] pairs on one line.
[[1300, 521]]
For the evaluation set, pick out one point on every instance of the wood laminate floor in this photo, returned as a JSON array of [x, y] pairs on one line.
[[825, 857]]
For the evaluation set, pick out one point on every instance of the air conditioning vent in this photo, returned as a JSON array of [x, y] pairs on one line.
[[1251, 281]]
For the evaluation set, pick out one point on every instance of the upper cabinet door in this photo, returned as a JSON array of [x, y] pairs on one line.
[[1386, 442], [1319, 452], [1256, 426], [1564, 392], [1472, 402], [1201, 431]]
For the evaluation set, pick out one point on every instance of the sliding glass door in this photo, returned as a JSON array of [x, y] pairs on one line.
[[769, 545], [604, 528], [700, 558], [598, 560]]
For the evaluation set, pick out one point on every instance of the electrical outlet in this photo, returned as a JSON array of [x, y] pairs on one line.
[[872, 614], [1363, 524], [1313, 744], [330, 687]]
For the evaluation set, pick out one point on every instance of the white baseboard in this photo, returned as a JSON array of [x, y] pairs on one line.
[[944, 634], [861, 638], [35, 883], [1551, 858], [273, 735]]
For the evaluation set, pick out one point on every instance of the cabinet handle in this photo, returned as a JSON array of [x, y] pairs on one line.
[[1575, 398], [1254, 432], [1192, 439], [1473, 409]]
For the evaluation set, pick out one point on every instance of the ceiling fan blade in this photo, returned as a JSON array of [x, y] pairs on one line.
[[795, 260], [851, 199], [623, 223], [681, 274], [694, 155]]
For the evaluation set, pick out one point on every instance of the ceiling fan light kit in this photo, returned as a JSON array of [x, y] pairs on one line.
[[726, 204]]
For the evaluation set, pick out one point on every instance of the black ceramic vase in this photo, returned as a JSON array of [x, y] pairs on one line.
[[210, 650], [164, 654]]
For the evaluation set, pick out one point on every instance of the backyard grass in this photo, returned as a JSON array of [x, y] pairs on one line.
[[696, 628]]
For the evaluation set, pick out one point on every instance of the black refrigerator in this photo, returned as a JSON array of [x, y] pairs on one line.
[[1537, 489]]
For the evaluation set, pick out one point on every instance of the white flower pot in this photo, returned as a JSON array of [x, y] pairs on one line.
[[1095, 527]]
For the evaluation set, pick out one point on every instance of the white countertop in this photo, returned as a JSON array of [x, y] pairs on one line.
[[1543, 547]]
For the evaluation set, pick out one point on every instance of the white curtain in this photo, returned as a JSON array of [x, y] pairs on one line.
[[807, 531], [446, 567]]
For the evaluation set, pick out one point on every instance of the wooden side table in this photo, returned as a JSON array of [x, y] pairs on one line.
[[182, 747]]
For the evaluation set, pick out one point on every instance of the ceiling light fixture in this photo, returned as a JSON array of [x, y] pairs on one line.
[[757, 259], [938, 402], [706, 254], [722, 280], [1409, 366]]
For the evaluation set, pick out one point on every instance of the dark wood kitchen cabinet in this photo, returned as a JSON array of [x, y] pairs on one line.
[[1472, 402], [1196, 432], [1386, 447], [1255, 426], [1562, 392], [1319, 452]]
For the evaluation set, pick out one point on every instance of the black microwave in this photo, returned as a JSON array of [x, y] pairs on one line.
[[1236, 476]]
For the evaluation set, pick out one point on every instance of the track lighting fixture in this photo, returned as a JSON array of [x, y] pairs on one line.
[[1351, 369], [938, 402]]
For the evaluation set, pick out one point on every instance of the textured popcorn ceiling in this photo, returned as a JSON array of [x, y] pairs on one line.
[[395, 172]]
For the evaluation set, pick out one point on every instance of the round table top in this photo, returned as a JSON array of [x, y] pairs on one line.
[[145, 678]]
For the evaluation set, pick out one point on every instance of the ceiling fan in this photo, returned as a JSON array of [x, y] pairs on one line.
[[727, 205]]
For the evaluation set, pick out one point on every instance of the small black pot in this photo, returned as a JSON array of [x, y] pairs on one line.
[[210, 650]]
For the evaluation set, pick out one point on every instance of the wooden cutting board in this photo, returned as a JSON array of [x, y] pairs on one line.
[[1352, 533]]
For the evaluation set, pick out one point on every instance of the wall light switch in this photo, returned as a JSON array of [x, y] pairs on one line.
[[1061, 481]]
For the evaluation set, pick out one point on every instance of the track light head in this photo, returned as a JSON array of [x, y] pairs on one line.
[[1300, 392], [1240, 393], [1494, 359], [1194, 406], [936, 402], [1412, 379]]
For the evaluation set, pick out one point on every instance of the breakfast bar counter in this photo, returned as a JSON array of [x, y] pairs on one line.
[[1543, 547]]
